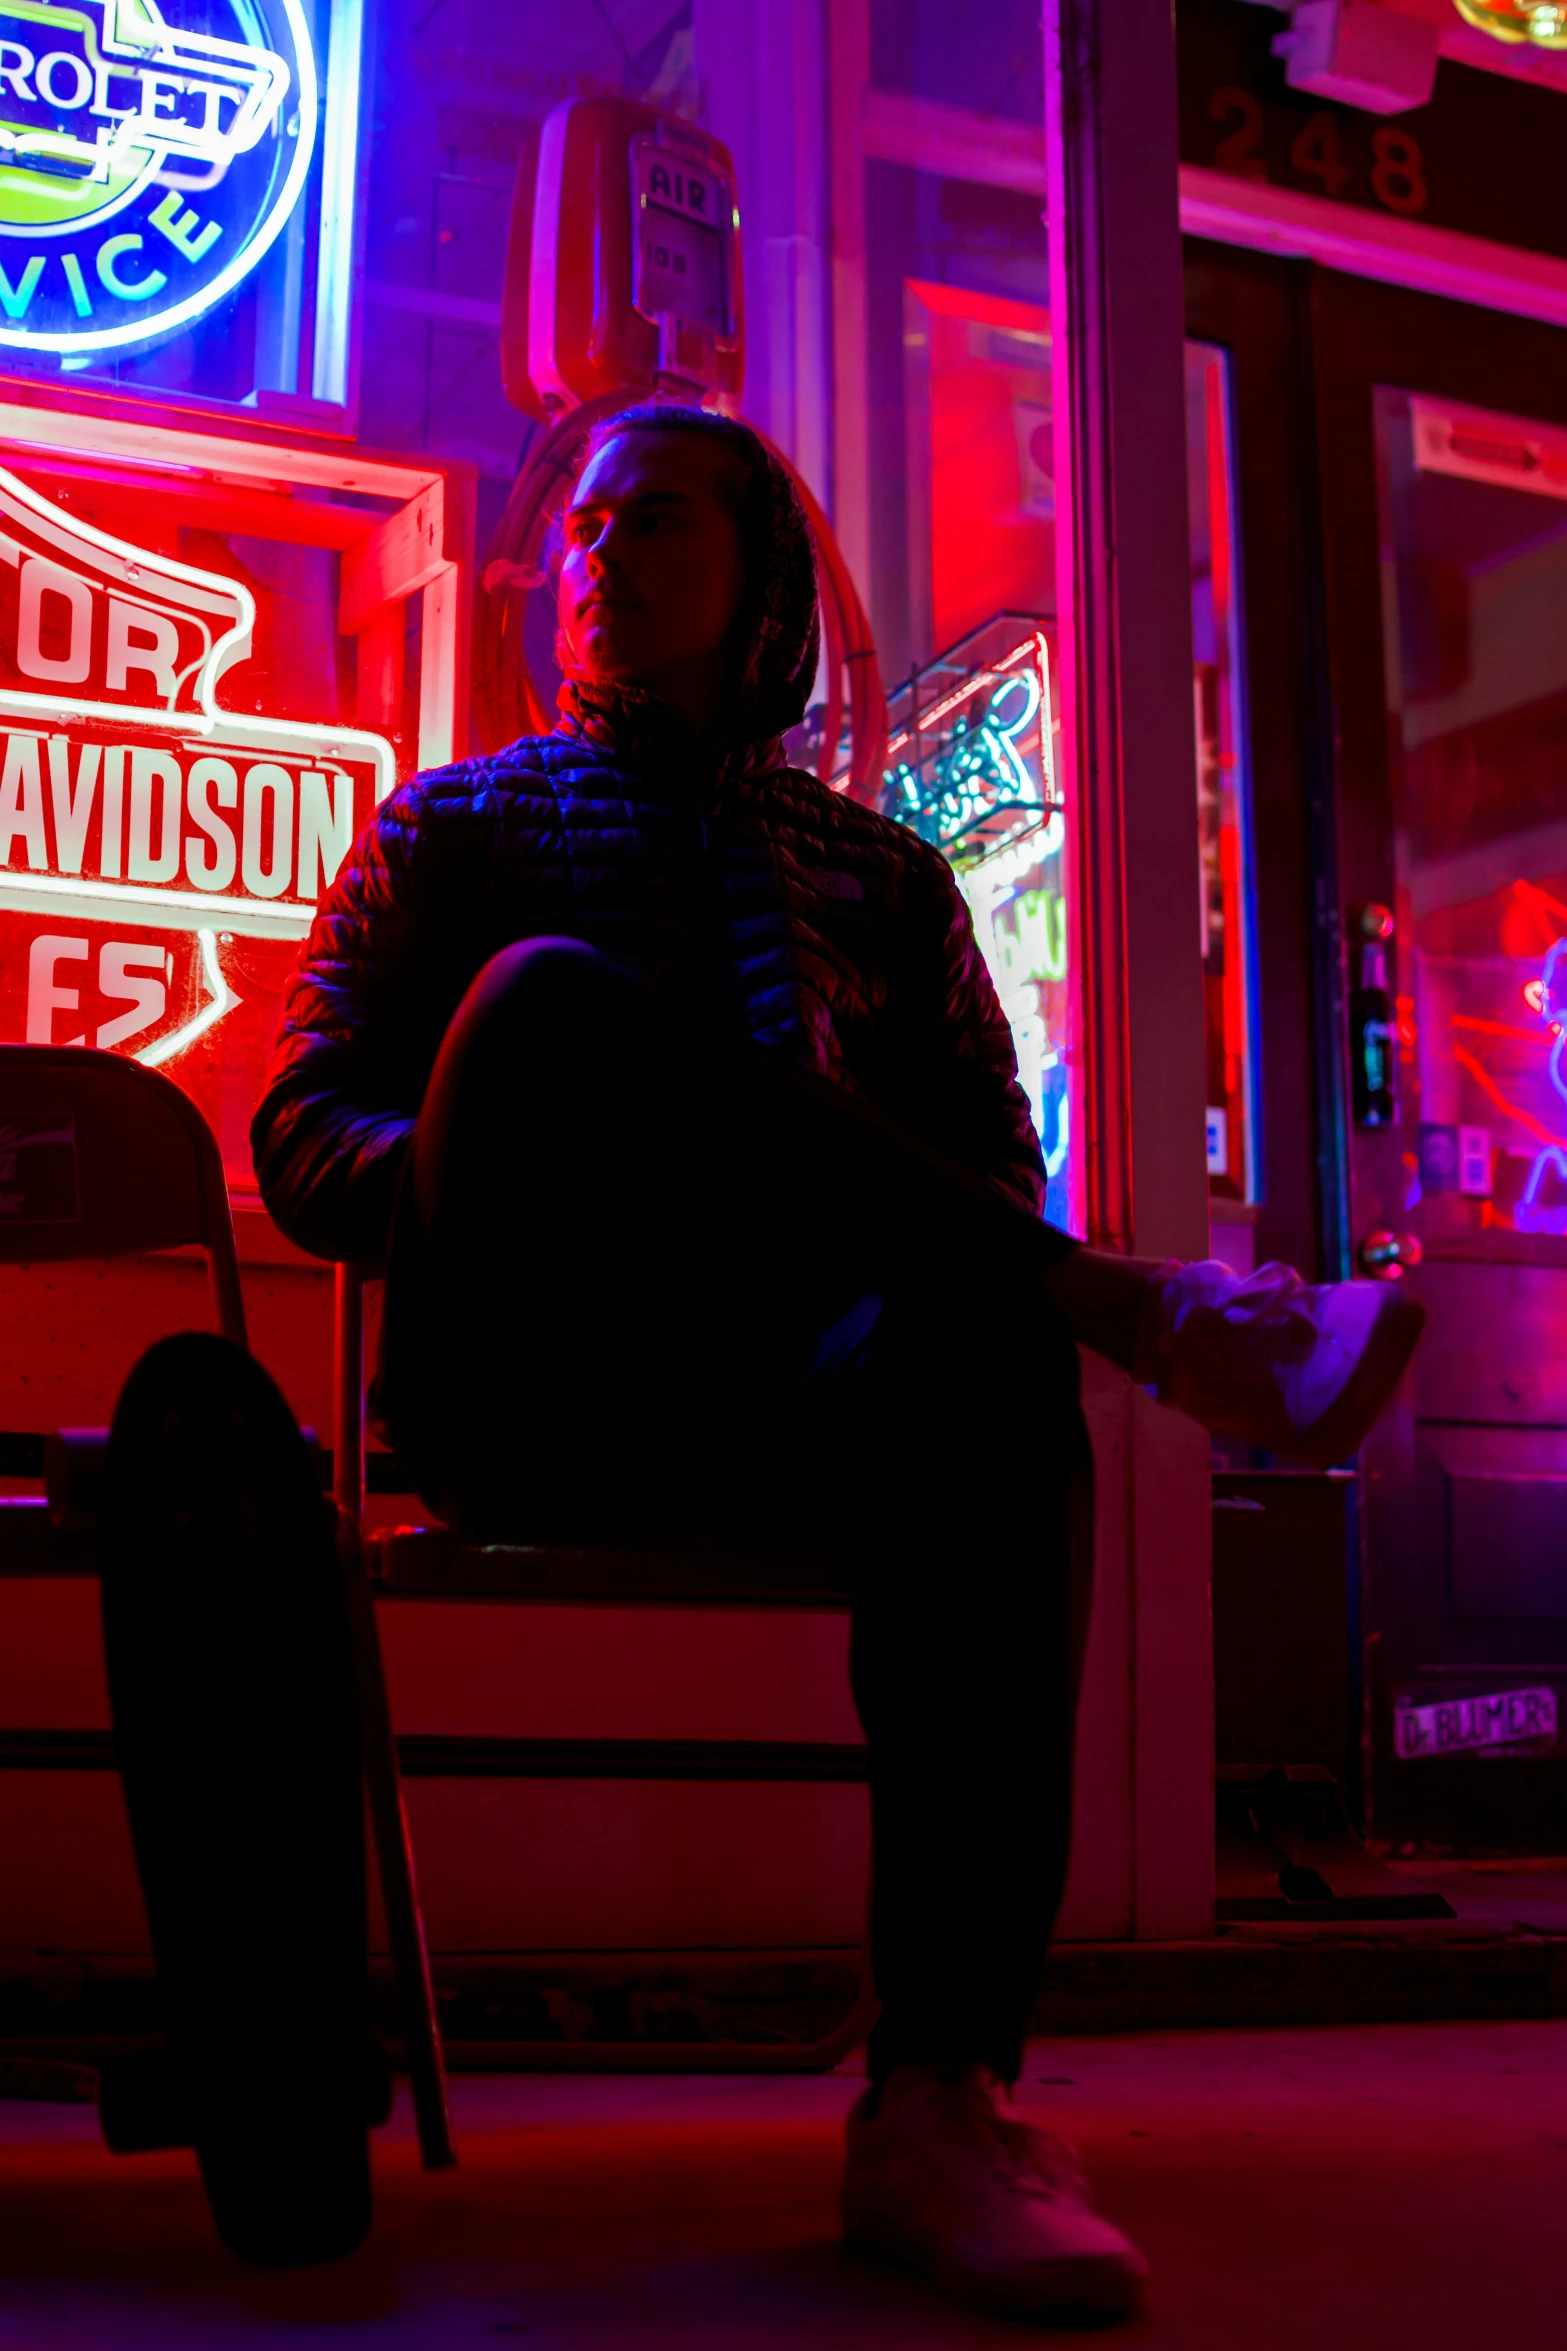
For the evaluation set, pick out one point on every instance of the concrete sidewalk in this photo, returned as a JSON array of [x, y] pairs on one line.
[[1361, 2189]]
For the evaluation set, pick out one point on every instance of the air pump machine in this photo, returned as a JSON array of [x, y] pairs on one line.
[[623, 284]]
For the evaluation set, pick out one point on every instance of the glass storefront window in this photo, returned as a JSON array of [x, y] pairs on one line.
[[981, 503], [982, 584], [1474, 523], [1223, 799]]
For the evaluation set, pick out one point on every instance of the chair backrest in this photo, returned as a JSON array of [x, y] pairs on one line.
[[102, 1158]]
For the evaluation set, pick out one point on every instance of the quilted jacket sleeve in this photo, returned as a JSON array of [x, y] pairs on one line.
[[974, 1106], [362, 1019]]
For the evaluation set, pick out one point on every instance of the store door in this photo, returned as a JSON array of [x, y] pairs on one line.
[[1402, 478], [1442, 454]]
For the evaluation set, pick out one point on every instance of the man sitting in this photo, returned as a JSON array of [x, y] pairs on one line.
[[671, 1092]]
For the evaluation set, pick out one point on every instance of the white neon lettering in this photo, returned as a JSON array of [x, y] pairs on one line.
[[220, 999], [128, 290], [41, 578], [209, 127], [176, 841], [16, 63], [102, 76], [72, 808], [160, 95], [46, 89], [264, 783], [326, 832], [141, 863], [212, 871], [143, 641], [22, 802], [14, 304], [113, 811], [183, 230], [118, 967], [44, 997]]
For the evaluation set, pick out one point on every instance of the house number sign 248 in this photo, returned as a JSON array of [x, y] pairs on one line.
[[1396, 176]]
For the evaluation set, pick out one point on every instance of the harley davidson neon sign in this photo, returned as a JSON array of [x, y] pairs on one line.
[[126, 791], [145, 168]]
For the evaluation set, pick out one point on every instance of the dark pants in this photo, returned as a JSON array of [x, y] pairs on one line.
[[646, 1283]]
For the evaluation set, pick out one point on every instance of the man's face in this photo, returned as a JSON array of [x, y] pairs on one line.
[[653, 572]]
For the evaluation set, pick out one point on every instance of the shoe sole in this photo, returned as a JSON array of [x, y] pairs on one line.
[[1081, 2290], [230, 1679], [1349, 1419]]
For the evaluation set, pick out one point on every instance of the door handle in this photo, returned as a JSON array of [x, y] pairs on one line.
[[1384, 1256]]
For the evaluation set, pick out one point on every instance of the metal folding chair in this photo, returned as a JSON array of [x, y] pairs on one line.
[[434, 1563], [102, 1158]]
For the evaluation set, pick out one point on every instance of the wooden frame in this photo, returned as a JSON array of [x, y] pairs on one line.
[[423, 547]]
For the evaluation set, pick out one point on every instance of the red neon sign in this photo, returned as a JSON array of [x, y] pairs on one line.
[[161, 851], [123, 782]]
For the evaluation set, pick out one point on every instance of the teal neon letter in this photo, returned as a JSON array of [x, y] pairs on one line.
[[15, 305], [183, 230], [77, 284], [108, 271]]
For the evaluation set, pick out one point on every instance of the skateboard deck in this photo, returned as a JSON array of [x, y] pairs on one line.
[[231, 1683]]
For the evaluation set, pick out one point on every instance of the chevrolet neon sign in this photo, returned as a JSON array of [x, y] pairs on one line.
[[145, 166]]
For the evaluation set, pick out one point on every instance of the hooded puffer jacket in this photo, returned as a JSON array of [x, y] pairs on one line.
[[785, 913]]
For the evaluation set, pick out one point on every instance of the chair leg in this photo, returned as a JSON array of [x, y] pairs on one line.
[[395, 1862]]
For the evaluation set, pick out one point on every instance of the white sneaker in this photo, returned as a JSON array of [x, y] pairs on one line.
[[945, 2177], [1274, 1361]]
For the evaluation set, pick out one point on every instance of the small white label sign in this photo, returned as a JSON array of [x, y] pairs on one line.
[[1506, 1719], [1474, 1162]]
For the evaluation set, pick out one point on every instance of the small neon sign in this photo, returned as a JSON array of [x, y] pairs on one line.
[[146, 163], [974, 772]]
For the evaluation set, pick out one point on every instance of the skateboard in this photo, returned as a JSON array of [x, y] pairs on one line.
[[231, 1683]]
